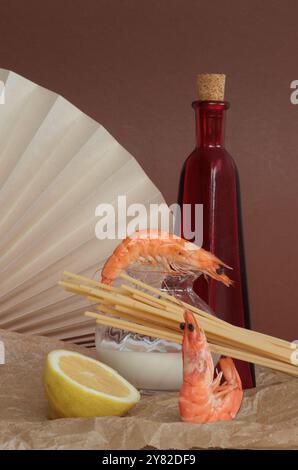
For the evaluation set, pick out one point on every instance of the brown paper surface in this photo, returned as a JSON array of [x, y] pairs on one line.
[[268, 418]]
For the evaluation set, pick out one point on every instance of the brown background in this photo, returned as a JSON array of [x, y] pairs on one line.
[[131, 64]]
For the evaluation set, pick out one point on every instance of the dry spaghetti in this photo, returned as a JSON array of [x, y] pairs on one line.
[[138, 307]]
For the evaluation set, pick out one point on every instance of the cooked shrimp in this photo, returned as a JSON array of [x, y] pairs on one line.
[[204, 399], [154, 247]]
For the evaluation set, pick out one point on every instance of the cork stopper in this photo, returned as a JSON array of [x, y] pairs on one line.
[[211, 86]]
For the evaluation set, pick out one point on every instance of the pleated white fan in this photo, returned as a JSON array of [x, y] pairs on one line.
[[56, 166]]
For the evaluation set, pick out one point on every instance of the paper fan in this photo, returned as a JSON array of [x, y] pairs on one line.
[[57, 165]]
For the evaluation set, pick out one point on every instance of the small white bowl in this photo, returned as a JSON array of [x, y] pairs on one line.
[[146, 370]]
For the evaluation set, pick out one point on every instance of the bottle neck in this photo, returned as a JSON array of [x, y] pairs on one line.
[[181, 287], [210, 122], [176, 284]]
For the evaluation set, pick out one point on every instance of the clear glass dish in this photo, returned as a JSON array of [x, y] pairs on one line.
[[156, 363]]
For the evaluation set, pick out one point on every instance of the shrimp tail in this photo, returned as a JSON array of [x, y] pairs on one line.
[[231, 392]]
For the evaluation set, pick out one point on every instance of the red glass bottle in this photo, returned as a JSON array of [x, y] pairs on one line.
[[210, 177]]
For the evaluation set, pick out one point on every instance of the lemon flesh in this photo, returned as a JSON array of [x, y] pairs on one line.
[[78, 386]]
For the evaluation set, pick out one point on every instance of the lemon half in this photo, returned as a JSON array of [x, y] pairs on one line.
[[78, 386]]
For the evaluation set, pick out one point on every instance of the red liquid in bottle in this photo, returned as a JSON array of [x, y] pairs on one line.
[[209, 177]]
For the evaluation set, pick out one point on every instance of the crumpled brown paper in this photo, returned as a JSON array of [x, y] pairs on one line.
[[268, 418]]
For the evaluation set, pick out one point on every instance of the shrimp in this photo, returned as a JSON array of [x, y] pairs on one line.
[[154, 247], [202, 398]]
